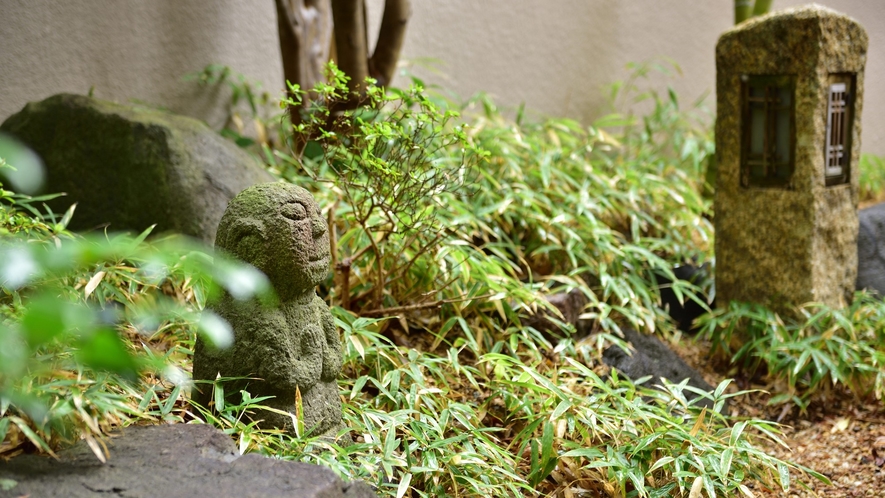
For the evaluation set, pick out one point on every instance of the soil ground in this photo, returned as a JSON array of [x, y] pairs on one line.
[[840, 436]]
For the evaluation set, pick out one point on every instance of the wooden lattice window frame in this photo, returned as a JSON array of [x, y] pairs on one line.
[[840, 116], [768, 130]]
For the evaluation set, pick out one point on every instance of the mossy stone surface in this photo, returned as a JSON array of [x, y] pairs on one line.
[[294, 346], [130, 167], [788, 245]]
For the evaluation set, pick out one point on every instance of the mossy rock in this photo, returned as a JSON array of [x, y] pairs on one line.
[[129, 167]]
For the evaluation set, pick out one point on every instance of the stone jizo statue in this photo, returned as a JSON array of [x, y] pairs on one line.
[[279, 229]]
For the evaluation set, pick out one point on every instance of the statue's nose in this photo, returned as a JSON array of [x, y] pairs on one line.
[[319, 226]]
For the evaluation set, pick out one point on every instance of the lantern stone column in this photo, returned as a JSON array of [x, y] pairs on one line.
[[789, 91]]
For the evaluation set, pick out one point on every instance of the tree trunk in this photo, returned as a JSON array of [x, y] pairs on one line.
[[350, 42], [306, 42], [305, 28]]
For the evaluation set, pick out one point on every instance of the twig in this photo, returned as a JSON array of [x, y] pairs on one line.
[[364, 249], [419, 306]]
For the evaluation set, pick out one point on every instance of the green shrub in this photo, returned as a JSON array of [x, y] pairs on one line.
[[825, 348], [448, 391], [391, 163], [487, 405], [491, 424]]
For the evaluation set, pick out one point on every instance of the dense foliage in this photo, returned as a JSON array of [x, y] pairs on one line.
[[449, 229], [455, 392]]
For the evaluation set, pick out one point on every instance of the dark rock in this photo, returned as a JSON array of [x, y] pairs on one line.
[[570, 305], [651, 357], [132, 167], [685, 313], [871, 249], [293, 347], [171, 461]]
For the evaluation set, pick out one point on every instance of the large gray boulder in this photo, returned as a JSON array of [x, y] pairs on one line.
[[170, 461], [132, 167], [871, 249]]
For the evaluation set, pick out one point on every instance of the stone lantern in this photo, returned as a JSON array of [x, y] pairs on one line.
[[789, 90]]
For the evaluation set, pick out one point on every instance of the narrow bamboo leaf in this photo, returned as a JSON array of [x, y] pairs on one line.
[[736, 432], [143, 235], [784, 474], [218, 394], [725, 463], [167, 407], [33, 436], [93, 283], [403, 485], [697, 487], [67, 217], [561, 408], [660, 463]]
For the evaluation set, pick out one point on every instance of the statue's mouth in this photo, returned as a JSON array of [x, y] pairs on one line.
[[319, 257]]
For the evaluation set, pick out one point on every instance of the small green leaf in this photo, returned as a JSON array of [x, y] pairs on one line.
[[218, 394], [48, 316], [104, 350], [67, 217], [784, 474], [561, 408], [169, 404], [725, 463], [32, 436], [660, 463], [358, 386], [143, 235], [4, 428], [736, 432]]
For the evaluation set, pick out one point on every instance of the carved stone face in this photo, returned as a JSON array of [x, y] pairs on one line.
[[300, 239], [279, 229]]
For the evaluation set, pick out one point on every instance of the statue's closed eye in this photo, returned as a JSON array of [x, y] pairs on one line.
[[294, 211]]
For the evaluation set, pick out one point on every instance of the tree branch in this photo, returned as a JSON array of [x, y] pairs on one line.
[[382, 65], [420, 306], [743, 10]]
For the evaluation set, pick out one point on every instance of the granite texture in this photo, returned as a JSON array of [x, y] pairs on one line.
[[294, 345], [178, 460], [649, 356], [871, 249], [791, 245], [129, 167]]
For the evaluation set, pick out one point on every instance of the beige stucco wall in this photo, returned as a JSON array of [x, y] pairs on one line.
[[132, 49], [556, 56]]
